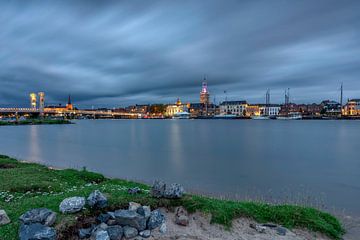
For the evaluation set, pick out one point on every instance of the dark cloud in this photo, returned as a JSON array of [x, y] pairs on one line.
[[123, 52]]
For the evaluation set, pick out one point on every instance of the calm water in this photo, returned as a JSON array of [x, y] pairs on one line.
[[312, 162]]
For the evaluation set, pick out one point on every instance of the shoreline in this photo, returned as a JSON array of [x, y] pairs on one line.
[[35, 122], [32, 185]]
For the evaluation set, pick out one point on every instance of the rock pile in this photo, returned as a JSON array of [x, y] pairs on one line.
[[4, 219], [135, 221], [36, 224]]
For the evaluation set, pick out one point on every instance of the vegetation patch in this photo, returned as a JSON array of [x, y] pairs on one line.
[[30, 185]]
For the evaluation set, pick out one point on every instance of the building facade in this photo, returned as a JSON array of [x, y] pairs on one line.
[[352, 108], [204, 94], [269, 110], [233, 107], [173, 109]]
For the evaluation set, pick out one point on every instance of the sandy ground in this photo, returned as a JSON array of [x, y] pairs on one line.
[[352, 226], [201, 229]]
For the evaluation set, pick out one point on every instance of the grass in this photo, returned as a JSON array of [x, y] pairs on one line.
[[34, 122], [24, 186]]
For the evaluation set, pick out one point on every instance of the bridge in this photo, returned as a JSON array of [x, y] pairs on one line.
[[66, 112]]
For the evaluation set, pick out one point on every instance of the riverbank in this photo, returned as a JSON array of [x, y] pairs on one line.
[[24, 186], [34, 122]]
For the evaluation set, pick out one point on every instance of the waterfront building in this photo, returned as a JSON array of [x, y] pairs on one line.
[[204, 94], [142, 109], [352, 108], [252, 110], [178, 107], [331, 108], [201, 110], [269, 109], [233, 107]]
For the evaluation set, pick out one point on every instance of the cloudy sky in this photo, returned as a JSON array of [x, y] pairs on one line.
[[114, 53]]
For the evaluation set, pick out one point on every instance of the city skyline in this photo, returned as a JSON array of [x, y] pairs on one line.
[[114, 54]]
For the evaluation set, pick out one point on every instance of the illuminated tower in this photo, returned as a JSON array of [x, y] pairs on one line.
[[204, 94], [33, 100], [69, 105], [41, 101]]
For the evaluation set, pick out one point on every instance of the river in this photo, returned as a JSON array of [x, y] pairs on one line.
[[315, 163]]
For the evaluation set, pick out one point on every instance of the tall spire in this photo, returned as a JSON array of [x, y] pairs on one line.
[[69, 100]]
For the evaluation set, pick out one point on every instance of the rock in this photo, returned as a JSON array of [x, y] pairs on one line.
[[281, 231], [133, 206], [85, 233], [100, 235], [39, 215], [181, 216], [144, 211], [115, 232], [134, 190], [130, 218], [36, 231], [163, 228], [155, 220], [130, 232], [103, 218], [158, 189], [102, 226], [4, 219], [72, 205], [145, 233], [161, 190], [258, 228], [174, 191], [111, 222], [112, 215], [97, 200]]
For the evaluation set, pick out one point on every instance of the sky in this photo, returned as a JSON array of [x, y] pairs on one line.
[[116, 53]]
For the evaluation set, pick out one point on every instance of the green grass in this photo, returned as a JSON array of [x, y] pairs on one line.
[[24, 186], [34, 122]]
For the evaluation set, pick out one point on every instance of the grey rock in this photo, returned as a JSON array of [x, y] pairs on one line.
[[85, 232], [145, 233], [181, 216], [162, 190], [258, 228], [130, 232], [39, 215], [111, 222], [4, 219], [134, 190], [97, 200], [102, 226], [103, 218], [115, 232], [100, 235], [112, 215], [163, 228], [130, 218], [174, 191], [144, 211], [133, 206], [36, 231], [281, 231], [155, 220], [72, 205], [158, 189]]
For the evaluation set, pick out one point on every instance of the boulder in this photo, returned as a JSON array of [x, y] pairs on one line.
[[281, 231], [100, 235], [144, 211], [130, 232], [158, 189], [97, 200], [174, 191], [72, 205], [85, 233], [35, 231], [145, 233], [181, 216], [155, 220], [258, 228], [163, 228], [111, 222], [162, 190], [39, 215], [134, 190], [133, 206], [130, 218], [103, 218], [4, 219], [115, 232]]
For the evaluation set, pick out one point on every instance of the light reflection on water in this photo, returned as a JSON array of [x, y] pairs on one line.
[[311, 162]]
